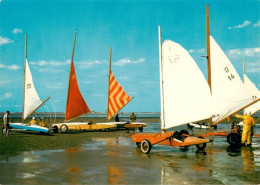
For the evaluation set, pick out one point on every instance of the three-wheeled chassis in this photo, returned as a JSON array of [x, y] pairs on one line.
[[233, 136], [146, 140]]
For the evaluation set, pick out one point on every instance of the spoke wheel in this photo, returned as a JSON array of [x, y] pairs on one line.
[[146, 146], [64, 128]]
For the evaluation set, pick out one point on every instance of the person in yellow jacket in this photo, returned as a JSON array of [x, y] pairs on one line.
[[249, 123], [43, 123], [33, 121]]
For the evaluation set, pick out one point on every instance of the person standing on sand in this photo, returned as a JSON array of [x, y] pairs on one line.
[[133, 117], [249, 123], [116, 118], [6, 123]]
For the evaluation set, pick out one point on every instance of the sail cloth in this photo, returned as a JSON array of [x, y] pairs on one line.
[[31, 98], [76, 105], [255, 94], [185, 93], [117, 97], [228, 92]]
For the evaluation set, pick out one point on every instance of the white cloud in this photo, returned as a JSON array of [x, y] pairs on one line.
[[246, 52], [124, 61], [89, 64], [253, 70], [52, 63], [4, 40], [55, 86], [6, 96], [17, 30], [197, 51], [11, 67], [5, 82], [257, 24], [245, 23]]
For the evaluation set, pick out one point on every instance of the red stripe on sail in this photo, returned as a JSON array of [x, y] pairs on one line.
[[117, 96], [76, 105]]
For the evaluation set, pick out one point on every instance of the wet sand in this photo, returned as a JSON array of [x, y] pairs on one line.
[[111, 158]]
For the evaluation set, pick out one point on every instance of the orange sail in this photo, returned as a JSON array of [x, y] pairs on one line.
[[76, 105], [117, 97]]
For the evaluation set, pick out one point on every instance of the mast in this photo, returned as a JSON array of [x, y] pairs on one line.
[[208, 56], [25, 57], [243, 70], [70, 70], [109, 70], [161, 80]]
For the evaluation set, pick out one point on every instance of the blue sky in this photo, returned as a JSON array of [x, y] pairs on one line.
[[130, 27]]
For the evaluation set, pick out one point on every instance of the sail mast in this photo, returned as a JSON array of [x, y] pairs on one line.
[[161, 79], [70, 72], [109, 71], [208, 56], [243, 70], [25, 57]]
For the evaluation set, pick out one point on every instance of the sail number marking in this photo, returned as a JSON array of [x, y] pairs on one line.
[[230, 75], [29, 86], [175, 59]]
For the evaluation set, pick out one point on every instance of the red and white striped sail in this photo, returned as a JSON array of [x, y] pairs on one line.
[[117, 97]]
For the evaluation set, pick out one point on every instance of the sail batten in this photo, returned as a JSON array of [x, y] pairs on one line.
[[186, 94]]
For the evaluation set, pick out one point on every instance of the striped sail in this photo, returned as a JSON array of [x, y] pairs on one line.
[[117, 97]]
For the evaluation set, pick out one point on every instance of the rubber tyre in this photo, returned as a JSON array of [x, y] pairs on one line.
[[201, 146], [146, 146], [138, 144], [55, 129], [63, 128], [234, 139], [141, 129]]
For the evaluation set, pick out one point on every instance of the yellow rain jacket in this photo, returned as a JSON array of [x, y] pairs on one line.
[[249, 122]]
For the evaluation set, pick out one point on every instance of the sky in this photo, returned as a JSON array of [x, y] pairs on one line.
[[131, 29]]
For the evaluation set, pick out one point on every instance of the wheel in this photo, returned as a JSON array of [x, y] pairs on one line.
[[215, 127], [107, 129], [234, 139], [55, 129], [63, 128], [138, 144], [146, 146], [201, 146], [141, 129]]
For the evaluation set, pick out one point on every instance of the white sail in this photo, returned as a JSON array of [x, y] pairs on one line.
[[31, 99], [185, 93], [255, 94], [228, 92]]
